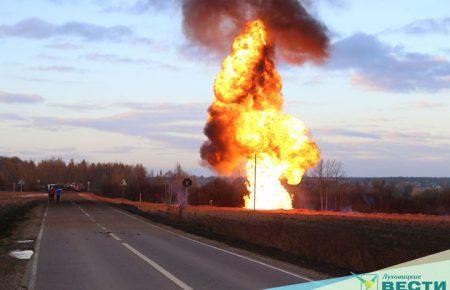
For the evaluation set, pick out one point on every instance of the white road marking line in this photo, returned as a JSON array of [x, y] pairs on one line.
[[114, 236], [247, 258], [101, 226], [219, 249], [88, 215], [34, 263], [157, 267], [142, 256], [132, 216]]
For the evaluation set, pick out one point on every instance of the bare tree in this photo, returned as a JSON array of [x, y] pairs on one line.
[[334, 173], [327, 175], [318, 173]]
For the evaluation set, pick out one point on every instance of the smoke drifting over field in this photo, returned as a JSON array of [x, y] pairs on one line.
[[296, 36]]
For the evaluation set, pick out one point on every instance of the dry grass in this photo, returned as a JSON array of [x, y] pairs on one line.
[[8, 197], [349, 241], [14, 206]]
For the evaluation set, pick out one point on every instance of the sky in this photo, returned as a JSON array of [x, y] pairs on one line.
[[119, 81]]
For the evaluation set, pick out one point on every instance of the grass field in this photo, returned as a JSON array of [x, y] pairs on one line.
[[343, 241]]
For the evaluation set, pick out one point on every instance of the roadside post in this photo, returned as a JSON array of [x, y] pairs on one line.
[[88, 185], [140, 196], [21, 183], [187, 182], [123, 183]]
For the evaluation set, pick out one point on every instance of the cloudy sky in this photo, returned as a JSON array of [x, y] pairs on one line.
[[118, 81]]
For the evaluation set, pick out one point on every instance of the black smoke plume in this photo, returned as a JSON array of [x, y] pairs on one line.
[[295, 34]]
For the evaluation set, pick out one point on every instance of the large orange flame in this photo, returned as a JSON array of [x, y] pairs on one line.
[[245, 123]]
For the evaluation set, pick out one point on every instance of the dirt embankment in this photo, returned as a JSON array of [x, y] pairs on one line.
[[355, 242], [20, 219], [14, 207]]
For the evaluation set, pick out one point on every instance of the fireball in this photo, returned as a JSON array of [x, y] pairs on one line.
[[246, 126]]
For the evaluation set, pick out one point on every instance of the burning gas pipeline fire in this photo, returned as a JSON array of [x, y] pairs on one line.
[[246, 124]]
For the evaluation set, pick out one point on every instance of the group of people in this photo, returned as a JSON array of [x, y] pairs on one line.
[[52, 191]]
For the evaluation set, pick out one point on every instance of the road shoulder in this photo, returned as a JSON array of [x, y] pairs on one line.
[[12, 270]]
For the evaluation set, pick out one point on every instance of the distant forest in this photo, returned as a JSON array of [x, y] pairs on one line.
[[324, 188]]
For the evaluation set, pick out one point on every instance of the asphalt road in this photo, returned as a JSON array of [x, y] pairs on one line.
[[89, 245]]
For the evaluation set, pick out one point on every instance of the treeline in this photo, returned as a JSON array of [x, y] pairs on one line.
[[376, 196], [97, 176], [324, 188], [107, 179], [327, 188]]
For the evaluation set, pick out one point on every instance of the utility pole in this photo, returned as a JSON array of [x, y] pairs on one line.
[[254, 188]]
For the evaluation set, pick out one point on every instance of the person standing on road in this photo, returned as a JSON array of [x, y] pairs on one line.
[[49, 191], [58, 194], [52, 193]]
